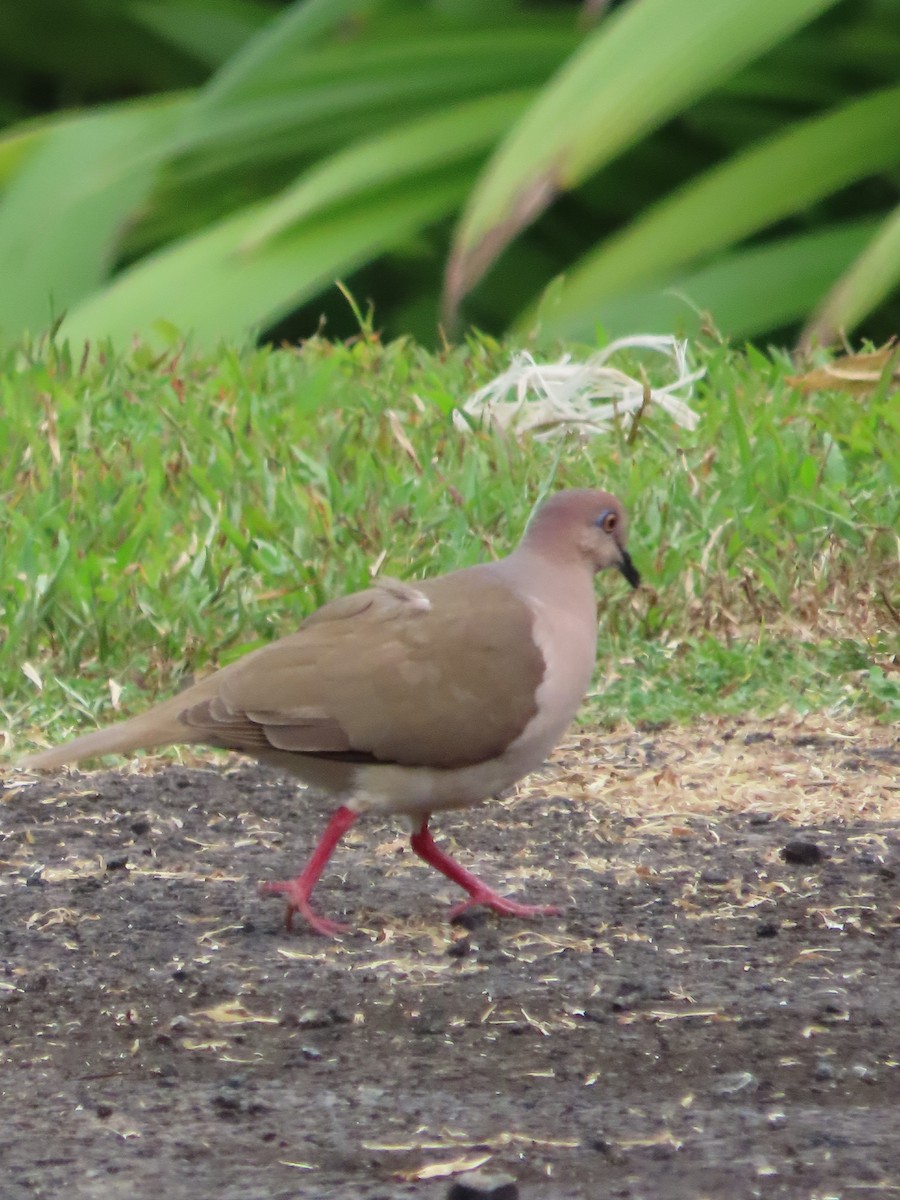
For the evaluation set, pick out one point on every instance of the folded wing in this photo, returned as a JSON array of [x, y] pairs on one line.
[[444, 674]]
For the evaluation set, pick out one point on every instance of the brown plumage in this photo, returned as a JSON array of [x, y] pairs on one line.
[[410, 697]]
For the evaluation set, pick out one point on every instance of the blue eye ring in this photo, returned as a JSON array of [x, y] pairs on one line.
[[607, 521]]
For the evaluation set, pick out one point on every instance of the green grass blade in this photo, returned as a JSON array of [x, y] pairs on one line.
[[174, 508], [749, 192], [639, 68], [872, 277]]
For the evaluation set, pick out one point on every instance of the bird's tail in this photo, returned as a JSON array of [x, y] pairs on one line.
[[159, 726]]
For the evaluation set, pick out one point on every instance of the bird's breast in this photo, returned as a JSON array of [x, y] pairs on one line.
[[567, 638]]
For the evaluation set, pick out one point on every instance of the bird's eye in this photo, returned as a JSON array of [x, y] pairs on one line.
[[608, 521]]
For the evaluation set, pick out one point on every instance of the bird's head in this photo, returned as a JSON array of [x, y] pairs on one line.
[[586, 524]]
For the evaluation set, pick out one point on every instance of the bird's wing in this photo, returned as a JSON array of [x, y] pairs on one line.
[[443, 674]]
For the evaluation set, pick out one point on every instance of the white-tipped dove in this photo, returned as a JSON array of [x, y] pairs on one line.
[[410, 698]]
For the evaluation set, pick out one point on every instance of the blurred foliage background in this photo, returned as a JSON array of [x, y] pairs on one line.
[[572, 169]]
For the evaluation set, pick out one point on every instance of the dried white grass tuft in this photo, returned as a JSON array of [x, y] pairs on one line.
[[551, 397]]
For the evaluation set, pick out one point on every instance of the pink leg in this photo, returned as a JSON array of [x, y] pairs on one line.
[[299, 890], [423, 844]]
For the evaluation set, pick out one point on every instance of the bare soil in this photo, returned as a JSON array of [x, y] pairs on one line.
[[706, 1018]]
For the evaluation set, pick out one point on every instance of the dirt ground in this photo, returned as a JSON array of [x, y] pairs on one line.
[[706, 1018]]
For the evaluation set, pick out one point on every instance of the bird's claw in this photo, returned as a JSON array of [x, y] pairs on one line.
[[503, 907], [298, 902]]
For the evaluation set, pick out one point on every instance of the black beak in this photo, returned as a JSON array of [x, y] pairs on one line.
[[629, 570]]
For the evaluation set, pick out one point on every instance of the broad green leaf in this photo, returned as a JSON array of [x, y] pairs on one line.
[[297, 30], [640, 67], [400, 78], [62, 212], [751, 191], [403, 152], [290, 50], [227, 157], [16, 146], [872, 277], [209, 30], [209, 289], [745, 293]]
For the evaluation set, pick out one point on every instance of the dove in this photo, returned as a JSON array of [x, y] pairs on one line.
[[410, 698]]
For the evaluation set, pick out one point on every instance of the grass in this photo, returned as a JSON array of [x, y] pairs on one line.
[[162, 514]]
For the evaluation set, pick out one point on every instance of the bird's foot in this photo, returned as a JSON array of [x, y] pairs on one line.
[[479, 893], [298, 890], [298, 902], [499, 904]]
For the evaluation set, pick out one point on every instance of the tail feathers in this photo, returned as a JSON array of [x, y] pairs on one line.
[[158, 727]]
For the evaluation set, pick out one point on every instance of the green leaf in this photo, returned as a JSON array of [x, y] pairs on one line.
[[209, 30], [126, 188], [19, 143], [231, 153], [640, 67], [747, 292], [296, 31], [62, 212], [374, 79], [302, 44], [872, 277], [211, 290], [749, 192], [401, 152]]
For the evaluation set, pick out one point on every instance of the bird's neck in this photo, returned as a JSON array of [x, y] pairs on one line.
[[566, 585]]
